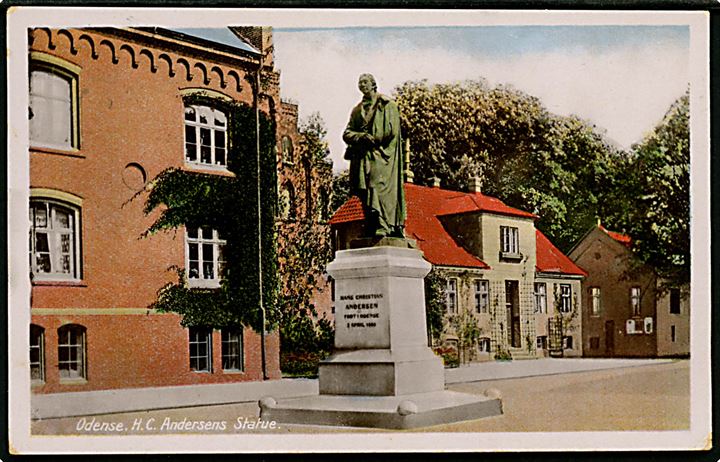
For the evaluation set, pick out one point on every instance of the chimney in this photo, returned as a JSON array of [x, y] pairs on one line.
[[409, 176], [259, 37], [436, 182], [476, 184]]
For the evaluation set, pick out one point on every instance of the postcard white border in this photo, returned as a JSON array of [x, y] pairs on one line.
[[21, 18]]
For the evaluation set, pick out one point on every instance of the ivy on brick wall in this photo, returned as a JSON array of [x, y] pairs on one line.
[[229, 205]]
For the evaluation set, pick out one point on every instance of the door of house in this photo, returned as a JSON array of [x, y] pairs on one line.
[[609, 338], [512, 303]]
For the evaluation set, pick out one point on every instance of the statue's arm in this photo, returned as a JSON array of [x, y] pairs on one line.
[[353, 134], [392, 124]]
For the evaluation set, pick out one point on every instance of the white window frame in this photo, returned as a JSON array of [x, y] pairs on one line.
[[451, 296], [568, 343], [540, 297], [39, 102], [218, 262], [484, 344], [216, 131], [635, 305], [228, 338], [509, 240], [482, 295], [80, 347], [541, 342], [565, 298], [54, 240], [198, 336], [595, 301], [40, 348]]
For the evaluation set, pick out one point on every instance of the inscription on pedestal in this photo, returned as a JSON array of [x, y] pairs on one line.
[[362, 319], [361, 310]]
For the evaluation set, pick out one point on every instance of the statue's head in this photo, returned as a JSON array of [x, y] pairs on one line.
[[366, 84]]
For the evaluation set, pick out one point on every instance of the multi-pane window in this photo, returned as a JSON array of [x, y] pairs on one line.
[[541, 342], [565, 298], [540, 297], [205, 260], [635, 300], [509, 241], [205, 136], [37, 353], [451, 294], [484, 344], [200, 349], [71, 352], [595, 301], [51, 109], [482, 295], [232, 350], [674, 301], [53, 241]]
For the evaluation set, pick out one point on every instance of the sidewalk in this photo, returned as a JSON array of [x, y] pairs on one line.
[[75, 404], [498, 370], [85, 403]]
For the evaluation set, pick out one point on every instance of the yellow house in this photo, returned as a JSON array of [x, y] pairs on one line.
[[517, 292]]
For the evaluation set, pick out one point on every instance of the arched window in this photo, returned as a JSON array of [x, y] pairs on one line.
[[287, 206], [72, 363], [54, 240], [37, 353], [53, 110], [287, 149], [484, 344], [205, 136]]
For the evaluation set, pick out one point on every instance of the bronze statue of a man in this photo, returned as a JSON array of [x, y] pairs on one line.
[[376, 161]]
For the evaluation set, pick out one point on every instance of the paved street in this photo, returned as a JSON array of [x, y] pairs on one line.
[[647, 396]]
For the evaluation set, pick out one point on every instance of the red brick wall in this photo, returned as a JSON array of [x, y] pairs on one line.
[[130, 112], [127, 351]]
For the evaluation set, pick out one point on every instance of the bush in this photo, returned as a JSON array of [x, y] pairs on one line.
[[301, 364], [503, 355], [449, 356]]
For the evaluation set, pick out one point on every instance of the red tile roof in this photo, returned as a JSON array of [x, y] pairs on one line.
[[426, 204], [624, 239], [551, 260]]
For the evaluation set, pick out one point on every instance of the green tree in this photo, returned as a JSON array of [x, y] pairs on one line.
[[561, 168], [341, 189], [658, 220], [313, 134], [304, 252]]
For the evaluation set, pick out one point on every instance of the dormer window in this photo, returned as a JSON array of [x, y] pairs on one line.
[[509, 243]]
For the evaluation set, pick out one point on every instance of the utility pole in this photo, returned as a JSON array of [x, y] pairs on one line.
[[263, 360]]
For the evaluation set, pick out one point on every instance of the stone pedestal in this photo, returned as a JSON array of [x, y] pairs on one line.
[[381, 373]]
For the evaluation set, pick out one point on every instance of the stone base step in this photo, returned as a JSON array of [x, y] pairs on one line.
[[394, 412], [521, 354]]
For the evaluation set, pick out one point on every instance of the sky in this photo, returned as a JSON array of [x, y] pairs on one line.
[[620, 78]]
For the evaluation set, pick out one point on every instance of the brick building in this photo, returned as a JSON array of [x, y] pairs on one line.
[[108, 112], [500, 270], [623, 313], [304, 199]]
